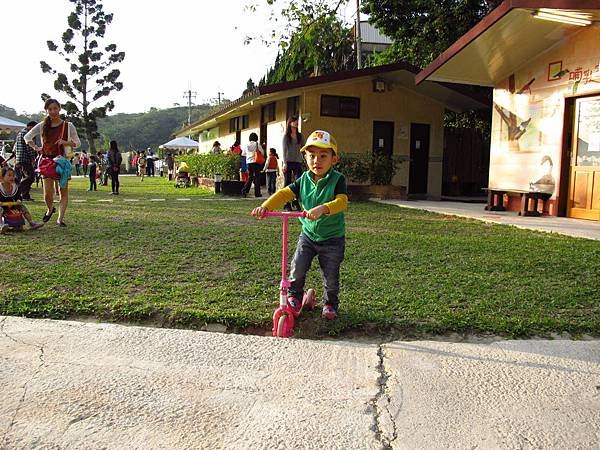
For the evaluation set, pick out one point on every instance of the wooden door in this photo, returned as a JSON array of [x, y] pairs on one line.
[[584, 181], [383, 138], [419, 158]]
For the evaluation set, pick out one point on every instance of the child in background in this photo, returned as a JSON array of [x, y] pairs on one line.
[[272, 170], [9, 193], [93, 173], [322, 192], [142, 165]]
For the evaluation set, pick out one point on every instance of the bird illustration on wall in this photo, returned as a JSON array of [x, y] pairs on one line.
[[546, 183], [516, 127]]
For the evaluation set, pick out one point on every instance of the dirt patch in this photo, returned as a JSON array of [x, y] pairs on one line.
[[314, 328]]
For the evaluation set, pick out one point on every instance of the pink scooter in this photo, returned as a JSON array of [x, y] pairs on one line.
[[284, 316]]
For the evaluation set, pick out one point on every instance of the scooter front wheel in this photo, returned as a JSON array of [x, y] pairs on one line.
[[284, 326], [281, 331]]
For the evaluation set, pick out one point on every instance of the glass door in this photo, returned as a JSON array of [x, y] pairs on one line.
[[584, 186]]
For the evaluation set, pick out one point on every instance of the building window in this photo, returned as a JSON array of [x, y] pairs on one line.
[[337, 106], [268, 113], [234, 124], [293, 106], [245, 122]]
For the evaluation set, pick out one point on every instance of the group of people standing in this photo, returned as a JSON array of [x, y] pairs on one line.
[[81, 162], [52, 161], [253, 157], [145, 164]]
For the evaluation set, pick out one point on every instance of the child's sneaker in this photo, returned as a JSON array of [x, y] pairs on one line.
[[296, 305], [329, 312]]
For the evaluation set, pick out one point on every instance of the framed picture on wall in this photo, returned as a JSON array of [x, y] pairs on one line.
[[554, 70]]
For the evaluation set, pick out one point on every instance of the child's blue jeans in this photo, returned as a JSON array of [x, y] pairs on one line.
[[330, 254]]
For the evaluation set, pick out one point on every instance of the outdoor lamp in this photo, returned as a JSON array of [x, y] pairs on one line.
[[570, 18]]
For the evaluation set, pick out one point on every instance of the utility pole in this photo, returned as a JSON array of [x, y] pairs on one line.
[[189, 94], [219, 96], [358, 39]]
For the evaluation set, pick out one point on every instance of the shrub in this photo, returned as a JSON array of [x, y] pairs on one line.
[[355, 166], [208, 165], [366, 167]]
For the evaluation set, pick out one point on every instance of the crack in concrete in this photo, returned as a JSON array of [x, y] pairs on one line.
[[383, 396], [25, 386]]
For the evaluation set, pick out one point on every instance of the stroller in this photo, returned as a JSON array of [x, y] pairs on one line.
[[182, 179]]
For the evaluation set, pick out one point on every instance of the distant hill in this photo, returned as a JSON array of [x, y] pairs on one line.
[[10, 113], [131, 131], [142, 130]]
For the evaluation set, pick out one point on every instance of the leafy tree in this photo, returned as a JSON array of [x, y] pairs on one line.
[[312, 41], [91, 65], [423, 29], [250, 86]]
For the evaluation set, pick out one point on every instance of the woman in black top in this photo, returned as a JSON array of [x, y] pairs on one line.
[[114, 166]]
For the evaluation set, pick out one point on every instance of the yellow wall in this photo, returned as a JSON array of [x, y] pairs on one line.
[[520, 163], [400, 106]]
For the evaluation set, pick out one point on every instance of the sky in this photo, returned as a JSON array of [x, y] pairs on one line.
[[169, 46]]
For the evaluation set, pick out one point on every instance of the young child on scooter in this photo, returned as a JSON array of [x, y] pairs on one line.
[[323, 194]]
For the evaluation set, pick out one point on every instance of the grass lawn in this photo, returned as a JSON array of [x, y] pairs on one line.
[[188, 263]]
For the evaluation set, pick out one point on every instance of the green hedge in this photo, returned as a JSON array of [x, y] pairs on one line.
[[366, 167], [209, 164]]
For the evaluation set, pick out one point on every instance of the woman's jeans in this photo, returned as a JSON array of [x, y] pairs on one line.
[[114, 180], [293, 172], [271, 182], [330, 254], [254, 171]]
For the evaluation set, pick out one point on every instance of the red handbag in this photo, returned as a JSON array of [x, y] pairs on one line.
[[47, 168], [259, 157]]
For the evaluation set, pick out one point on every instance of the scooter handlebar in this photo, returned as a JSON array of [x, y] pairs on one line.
[[285, 214]]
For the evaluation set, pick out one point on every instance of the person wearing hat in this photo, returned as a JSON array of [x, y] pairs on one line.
[[323, 194]]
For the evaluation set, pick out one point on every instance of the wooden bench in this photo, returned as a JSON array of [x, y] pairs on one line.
[[529, 201], [495, 200]]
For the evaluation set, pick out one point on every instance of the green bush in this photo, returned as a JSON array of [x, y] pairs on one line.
[[208, 165], [383, 169], [366, 167], [355, 166]]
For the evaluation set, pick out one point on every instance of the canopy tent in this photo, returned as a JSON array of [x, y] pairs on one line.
[[7, 125], [180, 143]]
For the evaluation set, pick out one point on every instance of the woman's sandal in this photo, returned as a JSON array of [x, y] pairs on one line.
[[46, 217], [61, 224]]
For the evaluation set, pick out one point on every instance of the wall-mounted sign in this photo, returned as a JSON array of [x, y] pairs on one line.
[[555, 71]]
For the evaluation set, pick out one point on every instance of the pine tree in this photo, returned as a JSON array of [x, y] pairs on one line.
[[94, 78]]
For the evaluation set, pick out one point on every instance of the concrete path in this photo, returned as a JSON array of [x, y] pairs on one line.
[[82, 385], [588, 229]]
